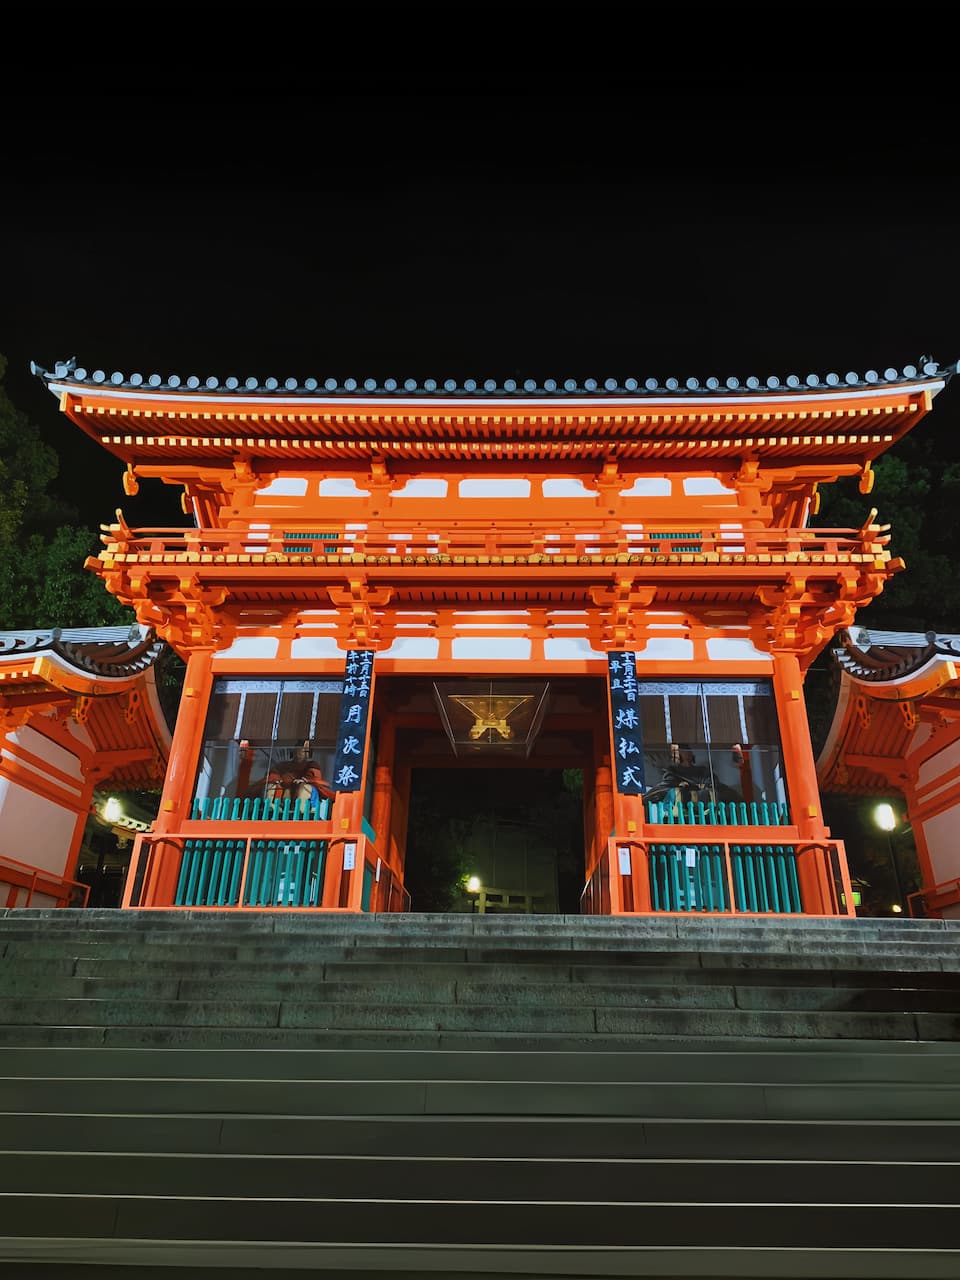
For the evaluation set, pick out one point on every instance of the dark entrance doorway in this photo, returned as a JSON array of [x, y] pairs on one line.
[[514, 836]]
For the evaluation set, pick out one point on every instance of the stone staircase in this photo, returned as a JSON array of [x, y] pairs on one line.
[[183, 1093]]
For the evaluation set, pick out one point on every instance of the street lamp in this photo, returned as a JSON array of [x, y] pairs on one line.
[[473, 887], [886, 820]]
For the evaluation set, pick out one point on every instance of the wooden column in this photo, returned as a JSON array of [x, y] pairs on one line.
[[179, 783], [801, 777]]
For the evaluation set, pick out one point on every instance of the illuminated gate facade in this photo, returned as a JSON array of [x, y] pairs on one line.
[[630, 563]]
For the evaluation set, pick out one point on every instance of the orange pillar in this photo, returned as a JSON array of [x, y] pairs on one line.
[[178, 785], [801, 776]]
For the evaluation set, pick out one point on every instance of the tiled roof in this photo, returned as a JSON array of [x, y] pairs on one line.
[[100, 651], [68, 372], [876, 656]]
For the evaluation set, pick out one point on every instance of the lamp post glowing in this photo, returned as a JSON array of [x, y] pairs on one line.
[[473, 887], [886, 820]]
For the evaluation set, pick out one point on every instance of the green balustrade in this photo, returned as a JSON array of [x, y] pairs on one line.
[[281, 873], [693, 878], [235, 809]]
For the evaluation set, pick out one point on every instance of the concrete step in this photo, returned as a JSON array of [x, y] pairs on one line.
[[900, 994], [741, 1062], [478, 1096], [481, 1180], [275, 1260], [699, 969], [706, 1018], [520, 1223], [684, 1099], [513, 1137]]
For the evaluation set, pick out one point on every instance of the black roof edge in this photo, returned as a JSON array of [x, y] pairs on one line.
[[926, 369]]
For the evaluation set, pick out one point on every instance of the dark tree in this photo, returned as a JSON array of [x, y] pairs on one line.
[[42, 544]]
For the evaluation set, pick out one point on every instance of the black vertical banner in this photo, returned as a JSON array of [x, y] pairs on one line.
[[625, 713], [352, 732]]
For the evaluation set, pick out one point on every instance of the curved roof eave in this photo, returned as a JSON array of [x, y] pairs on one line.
[[106, 653], [889, 657], [927, 374]]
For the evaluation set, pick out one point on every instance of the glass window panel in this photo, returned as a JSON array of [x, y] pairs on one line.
[[724, 715], [222, 715], [328, 719], [653, 722], [686, 718], [296, 713], [681, 765], [259, 714], [761, 717]]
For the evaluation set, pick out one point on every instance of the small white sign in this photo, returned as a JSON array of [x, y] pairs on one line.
[[349, 857], [691, 855], [623, 856], [377, 876]]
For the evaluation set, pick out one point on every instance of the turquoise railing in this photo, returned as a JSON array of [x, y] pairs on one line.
[[369, 880], [718, 813], [285, 873], [693, 878], [233, 809]]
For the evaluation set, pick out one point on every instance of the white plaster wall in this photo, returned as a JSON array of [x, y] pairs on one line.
[[341, 487], [316, 647], [665, 649], [413, 647], [286, 486], [49, 751], [482, 488], [943, 842], [563, 648], [735, 649], [34, 829], [252, 647], [938, 766], [492, 648], [697, 485], [422, 487], [648, 487]]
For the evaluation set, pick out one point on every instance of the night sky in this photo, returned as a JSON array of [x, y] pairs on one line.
[[576, 203]]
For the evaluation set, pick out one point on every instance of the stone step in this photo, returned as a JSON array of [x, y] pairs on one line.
[[522, 1223], [681, 1026], [567, 932], [274, 1260], [481, 1180], [905, 995], [59, 954], [512, 1137], [740, 1063], [699, 968], [701, 1019], [683, 1099]]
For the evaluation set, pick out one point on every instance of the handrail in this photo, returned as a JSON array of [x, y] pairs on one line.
[[24, 875], [454, 538], [714, 876]]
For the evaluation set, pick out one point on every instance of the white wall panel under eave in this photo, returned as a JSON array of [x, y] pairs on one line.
[[492, 648], [941, 765], [286, 486], [252, 647], [564, 648], [413, 647], [30, 740], [735, 649], [316, 647], [666, 649], [943, 843], [35, 830]]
